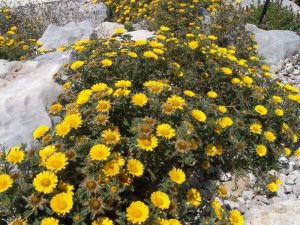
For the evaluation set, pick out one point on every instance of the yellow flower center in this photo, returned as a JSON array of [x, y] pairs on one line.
[[46, 182], [137, 213]]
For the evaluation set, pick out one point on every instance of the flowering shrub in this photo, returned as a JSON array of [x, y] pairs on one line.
[[139, 120], [15, 43]]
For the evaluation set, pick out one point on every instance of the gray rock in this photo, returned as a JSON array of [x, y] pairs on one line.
[[29, 89], [290, 180], [248, 195], [225, 177], [296, 189], [231, 204], [263, 199], [107, 29], [288, 188], [289, 68], [296, 72], [58, 36], [283, 160], [279, 213], [282, 177], [274, 45]]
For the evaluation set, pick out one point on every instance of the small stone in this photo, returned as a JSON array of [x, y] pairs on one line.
[[252, 179], [291, 166], [289, 68], [283, 160], [273, 173], [281, 192], [263, 199], [225, 177], [288, 188], [290, 180], [247, 195], [296, 72], [231, 204], [282, 177], [296, 189]]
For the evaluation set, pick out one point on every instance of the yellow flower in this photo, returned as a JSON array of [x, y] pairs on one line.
[[222, 109], [150, 55], [147, 144], [287, 151], [189, 93], [55, 108], [99, 152], [277, 99], [177, 175], [278, 182], [49, 221], [155, 87], [57, 162], [5, 182], [77, 64], [194, 197], [121, 92], [84, 96], [199, 115], [174, 222], [61, 203], [193, 45], [74, 120], [166, 131], [119, 30], [102, 221], [226, 70], [256, 128], [176, 102], [137, 212], [99, 87], [62, 129], [225, 122], [212, 94], [261, 110], [132, 54], [111, 137], [160, 200], [164, 28], [205, 164], [272, 187], [222, 191], [123, 84], [106, 63], [45, 182], [140, 42], [40, 131], [235, 80], [270, 136], [15, 155], [67, 85], [111, 168], [261, 150], [297, 153], [135, 167], [46, 152], [218, 210], [139, 99], [236, 217], [103, 106], [247, 80], [278, 112]]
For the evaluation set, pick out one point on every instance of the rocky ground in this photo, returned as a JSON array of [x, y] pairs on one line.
[[288, 70]]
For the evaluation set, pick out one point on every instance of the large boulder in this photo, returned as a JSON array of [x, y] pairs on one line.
[[275, 45], [26, 90], [58, 36], [279, 213]]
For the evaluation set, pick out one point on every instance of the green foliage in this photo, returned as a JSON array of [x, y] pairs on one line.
[[278, 17]]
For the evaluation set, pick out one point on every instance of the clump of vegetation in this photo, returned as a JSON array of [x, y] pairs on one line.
[[15, 43], [140, 118], [278, 17]]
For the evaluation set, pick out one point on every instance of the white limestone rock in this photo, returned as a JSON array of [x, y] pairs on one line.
[[275, 45], [279, 213], [106, 29], [27, 89], [59, 36]]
